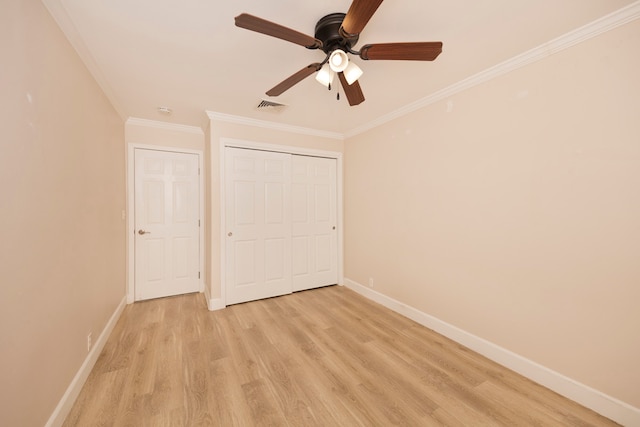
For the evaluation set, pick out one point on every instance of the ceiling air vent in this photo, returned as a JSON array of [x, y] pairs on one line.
[[270, 106]]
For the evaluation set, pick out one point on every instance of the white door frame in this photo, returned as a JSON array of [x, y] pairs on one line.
[[238, 143], [131, 211]]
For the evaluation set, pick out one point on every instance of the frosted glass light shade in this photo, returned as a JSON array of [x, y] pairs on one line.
[[352, 73], [325, 75]]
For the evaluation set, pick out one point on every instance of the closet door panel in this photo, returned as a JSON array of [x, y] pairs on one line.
[[258, 224], [314, 217]]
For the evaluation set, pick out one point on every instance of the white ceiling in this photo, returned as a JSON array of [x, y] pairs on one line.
[[189, 56]]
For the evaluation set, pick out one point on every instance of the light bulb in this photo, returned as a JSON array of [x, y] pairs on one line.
[[338, 60]]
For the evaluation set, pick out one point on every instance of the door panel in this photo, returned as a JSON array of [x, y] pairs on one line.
[[258, 224], [166, 186], [300, 248], [275, 252], [324, 253], [314, 217]]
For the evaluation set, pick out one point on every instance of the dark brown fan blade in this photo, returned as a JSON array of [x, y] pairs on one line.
[[353, 92], [421, 51], [358, 15], [293, 80], [269, 28]]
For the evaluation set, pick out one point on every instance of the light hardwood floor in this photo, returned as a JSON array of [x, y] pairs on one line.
[[326, 357]]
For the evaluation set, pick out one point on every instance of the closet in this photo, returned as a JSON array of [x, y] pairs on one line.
[[280, 223]]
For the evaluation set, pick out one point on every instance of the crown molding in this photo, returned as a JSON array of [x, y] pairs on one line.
[[586, 32], [228, 118], [164, 125]]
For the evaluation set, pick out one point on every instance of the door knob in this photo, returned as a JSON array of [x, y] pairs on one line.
[[229, 234], [141, 232]]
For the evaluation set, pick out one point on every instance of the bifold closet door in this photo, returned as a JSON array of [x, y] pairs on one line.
[[314, 221], [258, 224]]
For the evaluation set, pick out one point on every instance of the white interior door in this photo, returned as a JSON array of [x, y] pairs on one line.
[[258, 224], [314, 220], [167, 246]]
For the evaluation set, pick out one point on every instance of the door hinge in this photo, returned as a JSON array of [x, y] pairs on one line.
[[198, 223], [198, 274]]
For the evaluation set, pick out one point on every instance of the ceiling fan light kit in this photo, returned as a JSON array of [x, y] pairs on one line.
[[336, 34]]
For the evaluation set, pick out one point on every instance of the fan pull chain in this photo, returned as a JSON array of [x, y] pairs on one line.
[[338, 91]]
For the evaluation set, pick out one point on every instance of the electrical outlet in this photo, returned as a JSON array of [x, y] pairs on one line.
[[89, 341], [371, 282]]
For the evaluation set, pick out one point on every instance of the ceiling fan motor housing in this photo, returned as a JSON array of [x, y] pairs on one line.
[[328, 31]]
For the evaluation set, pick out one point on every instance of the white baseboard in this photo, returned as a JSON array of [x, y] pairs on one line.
[[595, 400], [68, 399], [213, 303]]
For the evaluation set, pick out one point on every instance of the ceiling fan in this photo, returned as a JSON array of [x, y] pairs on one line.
[[336, 34]]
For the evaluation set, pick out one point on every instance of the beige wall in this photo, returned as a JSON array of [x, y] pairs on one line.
[[516, 215], [220, 130], [147, 132], [62, 251]]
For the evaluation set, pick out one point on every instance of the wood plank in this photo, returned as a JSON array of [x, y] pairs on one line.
[[322, 357]]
